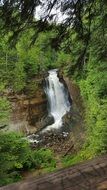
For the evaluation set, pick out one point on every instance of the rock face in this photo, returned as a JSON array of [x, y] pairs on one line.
[[29, 109], [74, 120], [76, 115]]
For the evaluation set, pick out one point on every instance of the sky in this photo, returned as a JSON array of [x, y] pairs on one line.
[[40, 13], [59, 17]]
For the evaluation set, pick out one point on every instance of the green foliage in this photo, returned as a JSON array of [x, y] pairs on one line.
[[44, 159], [25, 61], [72, 160], [94, 90], [93, 85], [5, 107], [16, 155], [19, 77], [4, 110], [63, 59]]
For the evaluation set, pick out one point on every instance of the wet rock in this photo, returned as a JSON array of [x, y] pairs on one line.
[[49, 120]]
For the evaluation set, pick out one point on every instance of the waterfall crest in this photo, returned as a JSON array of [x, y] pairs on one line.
[[58, 101]]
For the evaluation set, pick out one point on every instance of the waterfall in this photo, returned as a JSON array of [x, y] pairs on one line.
[[58, 101], [58, 104]]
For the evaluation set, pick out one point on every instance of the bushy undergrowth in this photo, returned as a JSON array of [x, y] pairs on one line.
[[93, 87], [16, 155]]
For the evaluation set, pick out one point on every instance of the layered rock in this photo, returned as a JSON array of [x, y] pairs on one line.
[[29, 109]]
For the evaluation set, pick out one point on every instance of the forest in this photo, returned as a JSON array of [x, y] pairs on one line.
[[29, 48]]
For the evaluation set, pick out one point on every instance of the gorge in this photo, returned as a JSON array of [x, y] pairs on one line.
[[48, 112]]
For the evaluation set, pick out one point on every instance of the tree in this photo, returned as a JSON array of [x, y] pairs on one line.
[[80, 15], [22, 13], [14, 153]]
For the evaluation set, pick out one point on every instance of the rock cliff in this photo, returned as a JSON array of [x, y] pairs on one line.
[[29, 108]]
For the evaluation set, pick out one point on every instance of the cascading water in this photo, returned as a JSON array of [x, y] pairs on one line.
[[58, 104], [58, 100]]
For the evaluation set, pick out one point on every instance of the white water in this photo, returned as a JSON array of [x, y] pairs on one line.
[[58, 103], [58, 99]]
